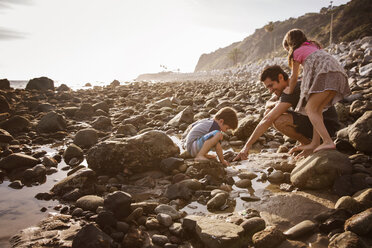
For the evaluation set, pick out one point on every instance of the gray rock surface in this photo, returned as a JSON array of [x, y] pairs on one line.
[[360, 134]]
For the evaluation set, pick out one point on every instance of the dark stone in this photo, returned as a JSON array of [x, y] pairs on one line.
[[42, 83], [51, 122], [86, 138], [91, 236], [361, 223], [4, 105], [169, 164], [17, 160], [4, 84], [73, 151], [106, 218], [119, 203], [16, 124]]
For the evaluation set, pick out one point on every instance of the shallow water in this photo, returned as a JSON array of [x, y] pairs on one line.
[[20, 209]]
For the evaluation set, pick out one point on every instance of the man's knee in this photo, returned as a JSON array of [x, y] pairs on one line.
[[282, 122]]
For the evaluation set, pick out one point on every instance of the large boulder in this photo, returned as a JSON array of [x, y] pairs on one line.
[[73, 151], [246, 127], [360, 133], [51, 122], [42, 83], [82, 179], [16, 124], [4, 105], [320, 170], [4, 84], [185, 116], [138, 153], [90, 236]]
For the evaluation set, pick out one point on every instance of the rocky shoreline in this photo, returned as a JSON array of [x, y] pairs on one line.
[[141, 189]]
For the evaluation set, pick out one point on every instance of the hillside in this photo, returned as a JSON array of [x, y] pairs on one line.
[[351, 21]]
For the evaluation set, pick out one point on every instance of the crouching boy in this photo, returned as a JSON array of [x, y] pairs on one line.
[[206, 134]]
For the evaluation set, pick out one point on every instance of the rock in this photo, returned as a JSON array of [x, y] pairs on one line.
[[347, 240], [348, 203], [42, 83], [16, 124], [276, 177], [182, 189], [16, 161], [106, 219], [136, 214], [127, 129], [166, 102], [253, 225], [86, 138], [89, 202], [243, 183], [51, 122], [247, 175], [82, 179], [159, 239], [364, 197], [49, 161], [218, 201], [73, 151], [4, 84], [360, 134], [169, 164], [303, 228], [185, 116], [320, 170], [138, 153], [164, 219], [17, 184], [270, 237], [4, 105], [63, 87], [361, 223], [215, 233], [366, 71], [169, 210], [350, 184], [91, 236], [246, 127], [119, 203], [102, 106], [5, 137], [213, 170], [102, 123]]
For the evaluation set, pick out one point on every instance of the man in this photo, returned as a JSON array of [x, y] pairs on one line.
[[291, 124]]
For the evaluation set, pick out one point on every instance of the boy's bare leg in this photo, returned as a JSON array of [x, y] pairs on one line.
[[208, 144]]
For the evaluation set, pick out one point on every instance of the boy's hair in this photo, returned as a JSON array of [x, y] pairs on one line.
[[273, 72], [229, 117]]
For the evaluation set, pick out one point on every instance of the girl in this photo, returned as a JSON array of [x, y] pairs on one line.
[[324, 83]]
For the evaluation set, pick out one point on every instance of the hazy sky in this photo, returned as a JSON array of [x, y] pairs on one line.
[[102, 40]]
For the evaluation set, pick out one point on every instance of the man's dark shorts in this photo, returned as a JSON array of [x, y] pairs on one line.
[[304, 126]]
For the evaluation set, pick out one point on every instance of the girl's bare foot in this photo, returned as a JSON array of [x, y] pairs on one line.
[[325, 146]]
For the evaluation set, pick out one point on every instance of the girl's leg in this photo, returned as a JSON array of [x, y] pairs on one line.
[[314, 109]]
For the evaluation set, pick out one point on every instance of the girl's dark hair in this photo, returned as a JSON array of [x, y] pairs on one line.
[[293, 40]]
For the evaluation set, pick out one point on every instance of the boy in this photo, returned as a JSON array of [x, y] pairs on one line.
[[206, 134]]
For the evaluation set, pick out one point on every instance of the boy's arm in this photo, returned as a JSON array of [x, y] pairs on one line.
[[261, 128], [294, 77], [220, 154]]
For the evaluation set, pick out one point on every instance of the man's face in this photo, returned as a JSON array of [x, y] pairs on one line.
[[274, 86]]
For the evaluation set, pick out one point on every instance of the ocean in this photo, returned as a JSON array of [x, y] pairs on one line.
[[21, 84]]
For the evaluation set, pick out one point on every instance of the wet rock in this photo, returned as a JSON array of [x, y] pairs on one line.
[[253, 225], [164, 219], [138, 153], [82, 179], [364, 197], [360, 134], [247, 175], [243, 183], [91, 236], [119, 203], [106, 219], [267, 238], [17, 184], [49, 161], [215, 233], [215, 171], [89, 202], [183, 189], [347, 240], [44, 196], [5, 137], [51, 122], [127, 129], [303, 228], [276, 177], [217, 202], [185, 116], [73, 151], [159, 239], [332, 220], [320, 170], [86, 138], [102, 123], [169, 164], [136, 213], [16, 161], [246, 127], [169, 210], [42, 83], [349, 184], [361, 223]]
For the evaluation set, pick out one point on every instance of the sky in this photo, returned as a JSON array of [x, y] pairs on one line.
[[85, 41]]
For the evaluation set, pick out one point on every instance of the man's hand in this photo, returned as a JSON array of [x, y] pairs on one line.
[[242, 155]]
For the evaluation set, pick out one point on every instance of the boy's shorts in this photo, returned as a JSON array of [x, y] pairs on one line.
[[198, 144]]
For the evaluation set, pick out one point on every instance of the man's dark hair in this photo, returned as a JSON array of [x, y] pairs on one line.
[[229, 117], [273, 72]]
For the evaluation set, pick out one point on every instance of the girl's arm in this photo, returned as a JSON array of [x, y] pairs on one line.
[[294, 77]]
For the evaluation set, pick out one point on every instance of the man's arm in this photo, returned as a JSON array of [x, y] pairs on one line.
[[261, 128]]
